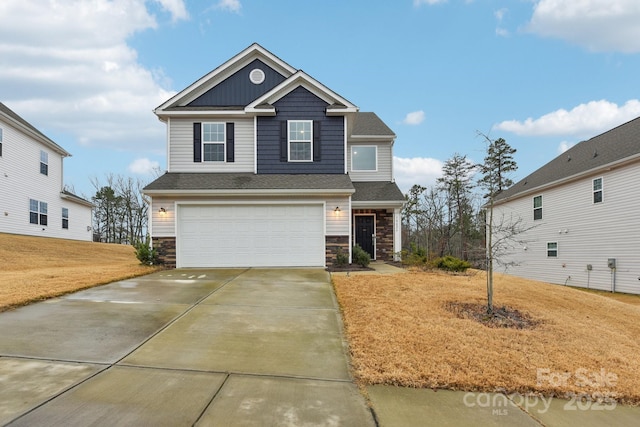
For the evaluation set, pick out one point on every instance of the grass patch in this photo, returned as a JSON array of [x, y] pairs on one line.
[[418, 330], [37, 268]]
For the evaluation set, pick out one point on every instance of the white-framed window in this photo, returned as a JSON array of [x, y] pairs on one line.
[[364, 158], [37, 212], [552, 249], [65, 218], [537, 207], [44, 162], [213, 142], [597, 191], [300, 140], [0, 142]]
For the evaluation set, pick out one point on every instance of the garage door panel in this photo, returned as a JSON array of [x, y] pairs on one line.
[[250, 235]]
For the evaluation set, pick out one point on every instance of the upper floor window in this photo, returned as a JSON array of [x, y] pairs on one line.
[[0, 142], [213, 142], [552, 249], [65, 218], [37, 212], [537, 207], [300, 140], [364, 158], [44, 162], [597, 190]]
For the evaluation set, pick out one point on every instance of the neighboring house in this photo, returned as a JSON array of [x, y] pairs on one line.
[[584, 206], [268, 167], [32, 196]]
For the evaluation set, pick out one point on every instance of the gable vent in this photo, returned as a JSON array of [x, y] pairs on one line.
[[256, 76]]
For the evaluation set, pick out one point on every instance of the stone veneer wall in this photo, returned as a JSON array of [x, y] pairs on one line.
[[166, 247], [332, 243], [384, 232]]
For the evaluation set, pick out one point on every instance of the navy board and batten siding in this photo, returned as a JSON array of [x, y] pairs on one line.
[[238, 90], [328, 141]]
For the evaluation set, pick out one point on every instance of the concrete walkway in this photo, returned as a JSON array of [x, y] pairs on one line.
[[243, 347]]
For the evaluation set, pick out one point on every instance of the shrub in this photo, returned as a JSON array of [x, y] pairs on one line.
[[360, 257], [342, 258], [451, 263], [145, 253], [415, 256]]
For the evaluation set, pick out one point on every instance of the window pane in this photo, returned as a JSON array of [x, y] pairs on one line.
[[537, 202], [43, 207], [300, 131], [44, 169], [65, 213], [33, 217], [597, 197], [44, 157], [300, 151], [552, 249], [537, 213], [33, 205], [214, 152], [65, 223], [43, 219], [213, 132], [597, 184], [363, 158]]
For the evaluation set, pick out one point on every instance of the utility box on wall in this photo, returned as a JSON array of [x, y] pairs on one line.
[[611, 263]]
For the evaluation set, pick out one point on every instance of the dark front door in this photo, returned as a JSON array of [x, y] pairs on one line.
[[365, 231]]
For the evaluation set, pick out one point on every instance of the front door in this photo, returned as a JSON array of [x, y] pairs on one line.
[[365, 233]]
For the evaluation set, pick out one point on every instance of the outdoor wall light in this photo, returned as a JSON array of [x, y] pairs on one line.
[[162, 211], [337, 210]]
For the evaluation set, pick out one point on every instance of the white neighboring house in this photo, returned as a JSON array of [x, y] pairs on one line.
[[32, 196], [584, 206]]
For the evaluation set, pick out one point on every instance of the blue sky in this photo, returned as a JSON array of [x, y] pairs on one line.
[[542, 74]]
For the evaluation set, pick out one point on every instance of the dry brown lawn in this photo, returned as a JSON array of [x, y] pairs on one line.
[[36, 268], [401, 331]]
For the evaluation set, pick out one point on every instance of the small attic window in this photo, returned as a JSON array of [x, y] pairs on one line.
[[256, 76]]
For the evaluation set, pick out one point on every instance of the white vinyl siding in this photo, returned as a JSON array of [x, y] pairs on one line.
[[21, 180], [585, 234], [384, 163], [181, 147]]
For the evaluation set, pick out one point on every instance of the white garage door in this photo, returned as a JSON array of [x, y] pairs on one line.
[[250, 236]]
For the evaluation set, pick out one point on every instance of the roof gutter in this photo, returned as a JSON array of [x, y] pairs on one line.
[[251, 192]]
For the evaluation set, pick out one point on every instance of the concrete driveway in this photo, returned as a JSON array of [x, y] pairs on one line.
[[182, 347]]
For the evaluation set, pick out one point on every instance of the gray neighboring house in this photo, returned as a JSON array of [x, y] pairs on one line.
[[584, 206], [268, 167], [33, 200]]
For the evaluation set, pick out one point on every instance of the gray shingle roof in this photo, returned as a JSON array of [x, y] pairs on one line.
[[12, 115], [610, 147], [369, 124], [377, 192], [249, 181]]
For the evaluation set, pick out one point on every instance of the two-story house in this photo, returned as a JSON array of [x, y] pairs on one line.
[[266, 166], [33, 200], [580, 213]]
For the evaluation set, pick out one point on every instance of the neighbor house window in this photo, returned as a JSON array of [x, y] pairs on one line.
[[37, 212], [537, 207], [300, 140], [364, 158], [597, 190], [552, 249], [65, 218], [44, 162], [0, 142], [213, 142]]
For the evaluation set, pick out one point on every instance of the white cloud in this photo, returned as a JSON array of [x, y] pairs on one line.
[[414, 118], [417, 3], [500, 13], [77, 75], [230, 5], [564, 146], [144, 166], [502, 32], [598, 25], [416, 170], [176, 8], [584, 120]]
